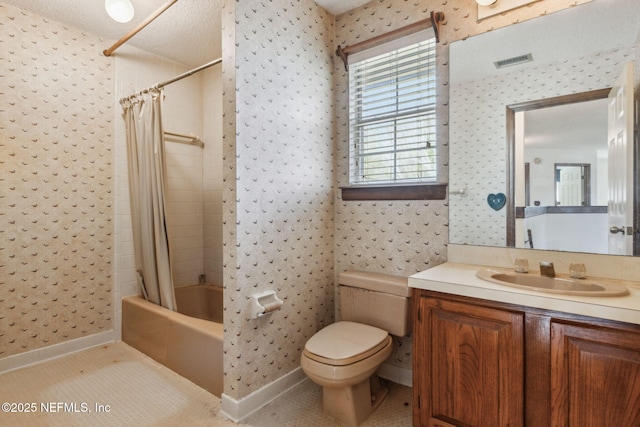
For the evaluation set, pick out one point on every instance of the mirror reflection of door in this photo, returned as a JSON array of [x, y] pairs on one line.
[[573, 184], [563, 135], [621, 154], [521, 217], [563, 141]]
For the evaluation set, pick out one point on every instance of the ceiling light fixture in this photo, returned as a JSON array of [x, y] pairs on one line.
[[487, 8], [119, 10]]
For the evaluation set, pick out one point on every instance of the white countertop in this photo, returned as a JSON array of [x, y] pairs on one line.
[[461, 279]]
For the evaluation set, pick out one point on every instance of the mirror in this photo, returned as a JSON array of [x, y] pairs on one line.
[[598, 39]]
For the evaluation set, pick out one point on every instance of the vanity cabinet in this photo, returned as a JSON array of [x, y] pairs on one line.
[[483, 363], [471, 370], [595, 376]]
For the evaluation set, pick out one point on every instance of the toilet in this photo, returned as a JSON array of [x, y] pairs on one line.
[[344, 357]]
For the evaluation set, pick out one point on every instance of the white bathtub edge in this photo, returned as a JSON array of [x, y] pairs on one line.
[[236, 410]]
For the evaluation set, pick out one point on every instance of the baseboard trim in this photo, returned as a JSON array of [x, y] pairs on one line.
[[237, 410], [17, 361], [396, 374]]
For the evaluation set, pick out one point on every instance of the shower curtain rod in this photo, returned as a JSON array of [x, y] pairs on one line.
[[175, 79], [188, 73], [126, 37]]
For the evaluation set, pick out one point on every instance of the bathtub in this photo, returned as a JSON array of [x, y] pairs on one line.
[[188, 342]]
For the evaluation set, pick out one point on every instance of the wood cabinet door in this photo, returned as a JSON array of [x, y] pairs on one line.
[[468, 365], [595, 376]]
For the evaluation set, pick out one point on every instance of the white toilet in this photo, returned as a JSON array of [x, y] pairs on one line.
[[343, 357]]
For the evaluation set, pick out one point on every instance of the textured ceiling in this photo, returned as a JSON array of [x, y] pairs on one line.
[[337, 7], [189, 32]]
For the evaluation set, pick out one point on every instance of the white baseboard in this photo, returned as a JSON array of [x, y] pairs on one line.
[[54, 351], [236, 410], [396, 374]]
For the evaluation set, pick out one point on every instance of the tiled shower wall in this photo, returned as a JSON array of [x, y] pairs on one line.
[[190, 107], [195, 177], [185, 210], [212, 173], [56, 184]]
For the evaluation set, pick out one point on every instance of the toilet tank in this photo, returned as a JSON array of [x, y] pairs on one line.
[[376, 299]]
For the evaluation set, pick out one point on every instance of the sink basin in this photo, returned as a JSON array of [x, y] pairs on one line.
[[554, 285]]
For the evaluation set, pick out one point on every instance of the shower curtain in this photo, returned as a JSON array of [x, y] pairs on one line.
[[146, 165]]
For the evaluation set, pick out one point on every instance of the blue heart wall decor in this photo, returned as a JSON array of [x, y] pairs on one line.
[[496, 201]]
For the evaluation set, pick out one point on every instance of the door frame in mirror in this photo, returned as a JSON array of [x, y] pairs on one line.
[[511, 144], [585, 169]]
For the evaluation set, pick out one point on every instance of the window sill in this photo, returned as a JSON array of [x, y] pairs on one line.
[[395, 192]]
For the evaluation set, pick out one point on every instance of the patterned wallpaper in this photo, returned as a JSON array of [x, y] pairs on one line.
[[278, 193], [395, 237], [56, 187], [404, 237]]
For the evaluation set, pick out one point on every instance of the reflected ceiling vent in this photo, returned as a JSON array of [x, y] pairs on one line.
[[513, 61]]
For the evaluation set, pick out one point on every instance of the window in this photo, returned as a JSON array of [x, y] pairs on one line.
[[392, 118]]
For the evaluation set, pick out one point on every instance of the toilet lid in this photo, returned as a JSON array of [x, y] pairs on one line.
[[344, 341]]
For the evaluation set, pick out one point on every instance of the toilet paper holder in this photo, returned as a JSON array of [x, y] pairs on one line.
[[264, 303]]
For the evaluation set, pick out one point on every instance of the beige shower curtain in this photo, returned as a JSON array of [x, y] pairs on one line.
[[146, 160]]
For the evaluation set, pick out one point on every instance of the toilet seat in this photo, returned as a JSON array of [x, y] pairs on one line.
[[343, 343]]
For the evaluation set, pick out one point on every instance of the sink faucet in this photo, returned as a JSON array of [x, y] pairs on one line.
[[546, 269]]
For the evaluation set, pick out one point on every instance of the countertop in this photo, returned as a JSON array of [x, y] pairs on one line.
[[460, 279]]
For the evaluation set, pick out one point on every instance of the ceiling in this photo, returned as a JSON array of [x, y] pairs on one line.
[[189, 32], [582, 125], [337, 7], [570, 33]]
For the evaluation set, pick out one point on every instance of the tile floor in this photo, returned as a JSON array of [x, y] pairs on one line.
[[115, 385]]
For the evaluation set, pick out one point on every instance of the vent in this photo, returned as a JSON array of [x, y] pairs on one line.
[[514, 61]]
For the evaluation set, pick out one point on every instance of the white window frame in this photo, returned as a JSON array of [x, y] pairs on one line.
[[426, 111]]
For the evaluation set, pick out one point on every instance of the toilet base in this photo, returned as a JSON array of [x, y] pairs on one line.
[[352, 405]]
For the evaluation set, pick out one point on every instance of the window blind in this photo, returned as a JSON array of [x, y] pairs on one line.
[[392, 119]]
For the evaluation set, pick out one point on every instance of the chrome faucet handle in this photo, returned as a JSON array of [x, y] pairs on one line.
[[547, 269], [577, 270]]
